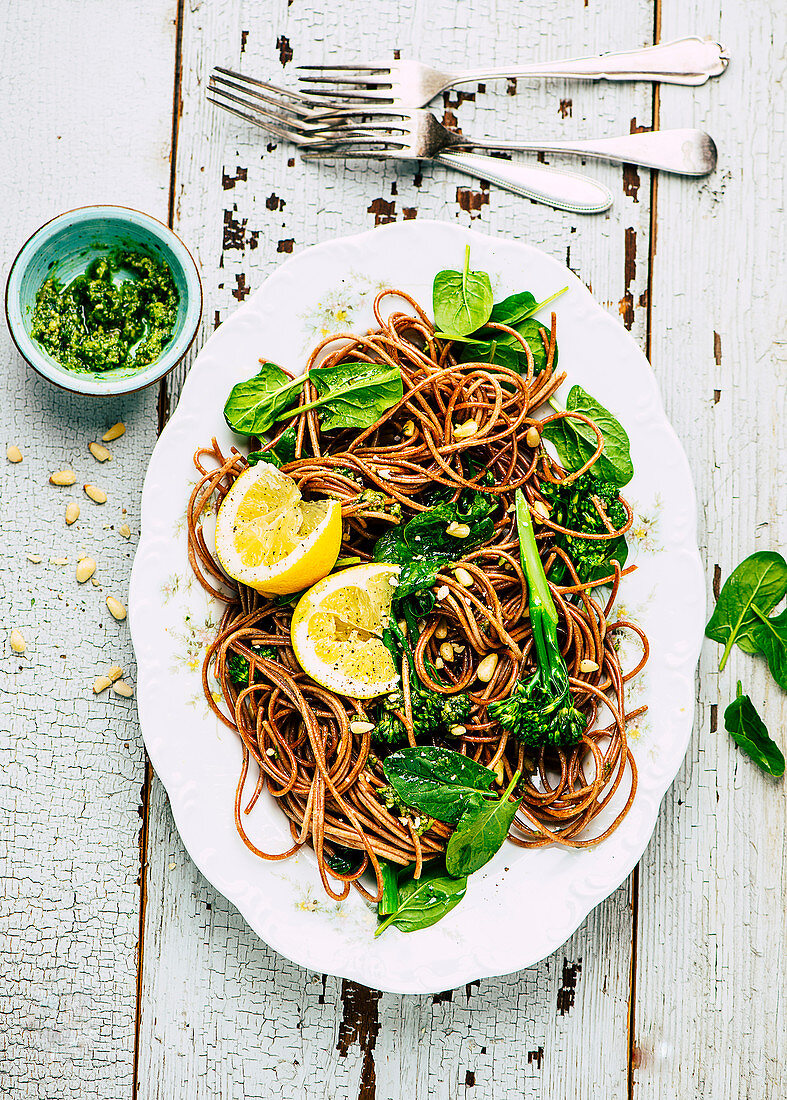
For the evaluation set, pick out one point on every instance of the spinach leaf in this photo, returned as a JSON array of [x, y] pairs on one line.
[[421, 546], [749, 732], [437, 781], [493, 351], [352, 395], [481, 832], [425, 901], [576, 441], [770, 637], [518, 307], [344, 861], [253, 405], [489, 345], [461, 300], [760, 579], [389, 902], [279, 455]]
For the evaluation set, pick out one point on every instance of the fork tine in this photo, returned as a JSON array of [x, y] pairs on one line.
[[354, 97], [300, 101], [345, 81], [264, 123], [347, 68], [220, 85]]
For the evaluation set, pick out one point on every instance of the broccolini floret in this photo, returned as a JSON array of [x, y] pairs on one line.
[[433, 716], [539, 711], [576, 507], [238, 667]]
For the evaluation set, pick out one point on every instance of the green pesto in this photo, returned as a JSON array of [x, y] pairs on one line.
[[97, 324]]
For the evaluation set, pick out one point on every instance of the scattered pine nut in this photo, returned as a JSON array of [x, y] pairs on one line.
[[116, 608], [99, 452], [533, 436], [447, 651], [101, 683], [464, 578], [486, 668], [62, 477], [114, 672], [439, 662], [123, 689], [58, 561], [18, 643], [465, 430], [114, 432], [460, 531], [361, 727], [402, 626], [72, 512], [588, 666], [13, 454], [86, 567], [96, 494], [409, 428], [457, 731], [499, 771], [541, 511], [441, 630], [124, 530], [443, 591], [34, 558]]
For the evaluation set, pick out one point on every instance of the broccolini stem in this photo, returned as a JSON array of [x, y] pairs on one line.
[[389, 902], [543, 613]]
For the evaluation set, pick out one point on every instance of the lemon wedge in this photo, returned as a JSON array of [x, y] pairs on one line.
[[270, 539], [337, 631]]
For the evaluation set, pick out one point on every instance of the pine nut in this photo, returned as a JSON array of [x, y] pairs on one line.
[[270, 752], [439, 662], [409, 428], [465, 430], [96, 494], [443, 591], [114, 673], [541, 511], [34, 558], [447, 651], [72, 512], [116, 608], [114, 432], [13, 454], [123, 689], [86, 567], [441, 630], [457, 731], [101, 683], [460, 531], [486, 668], [62, 477], [99, 452], [124, 530], [464, 578], [17, 641], [402, 626], [499, 771], [588, 666], [451, 527], [361, 727], [532, 436]]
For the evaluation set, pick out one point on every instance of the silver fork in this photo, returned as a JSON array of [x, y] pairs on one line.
[[411, 84], [323, 132], [417, 133]]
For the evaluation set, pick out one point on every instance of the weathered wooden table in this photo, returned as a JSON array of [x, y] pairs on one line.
[[122, 969]]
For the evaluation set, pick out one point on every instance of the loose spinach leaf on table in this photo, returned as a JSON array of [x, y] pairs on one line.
[[770, 637], [749, 732], [424, 901], [576, 442], [461, 300], [352, 395], [421, 546], [481, 831], [761, 580], [253, 405], [437, 781]]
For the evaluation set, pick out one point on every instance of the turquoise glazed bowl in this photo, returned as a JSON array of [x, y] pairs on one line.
[[64, 247]]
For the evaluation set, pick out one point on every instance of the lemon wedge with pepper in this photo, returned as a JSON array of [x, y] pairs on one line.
[[272, 540], [337, 631]]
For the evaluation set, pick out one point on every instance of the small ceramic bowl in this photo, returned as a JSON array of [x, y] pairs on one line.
[[64, 247]]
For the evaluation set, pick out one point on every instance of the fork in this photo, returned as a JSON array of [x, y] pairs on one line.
[[417, 133], [295, 118], [410, 84]]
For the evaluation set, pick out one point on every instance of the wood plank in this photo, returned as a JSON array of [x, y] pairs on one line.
[[221, 1013], [84, 99], [711, 962]]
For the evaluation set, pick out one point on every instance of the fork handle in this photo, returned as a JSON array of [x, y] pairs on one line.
[[554, 187], [686, 152], [684, 61]]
